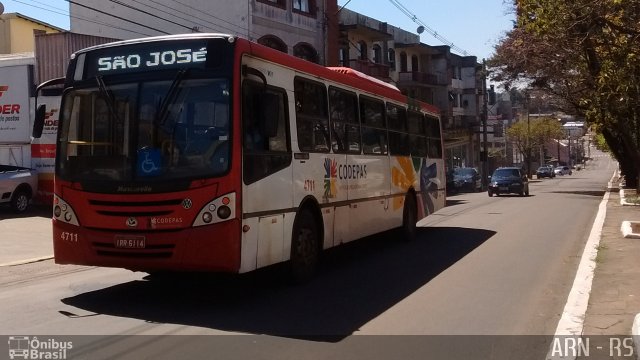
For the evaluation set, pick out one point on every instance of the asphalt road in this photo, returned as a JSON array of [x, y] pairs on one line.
[[481, 266]]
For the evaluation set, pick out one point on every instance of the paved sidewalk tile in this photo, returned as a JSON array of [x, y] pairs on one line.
[[25, 237], [615, 294]]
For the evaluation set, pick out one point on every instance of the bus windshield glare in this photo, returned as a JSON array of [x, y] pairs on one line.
[[146, 131]]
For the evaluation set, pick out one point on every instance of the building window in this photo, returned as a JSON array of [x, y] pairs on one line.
[[362, 47], [403, 61], [304, 6], [414, 63], [306, 51], [377, 54], [273, 42], [278, 3], [343, 55], [392, 59]]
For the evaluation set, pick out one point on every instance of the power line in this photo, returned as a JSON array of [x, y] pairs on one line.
[[215, 24], [64, 13], [117, 17], [431, 31], [148, 13]]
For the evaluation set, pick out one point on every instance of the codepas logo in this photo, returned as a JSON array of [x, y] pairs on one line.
[[32, 348], [3, 89], [330, 177]]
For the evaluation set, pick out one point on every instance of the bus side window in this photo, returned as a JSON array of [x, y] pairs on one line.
[[374, 133], [312, 116], [266, 149], [398, 130], [345, 127], [417, 137], [434, 150]]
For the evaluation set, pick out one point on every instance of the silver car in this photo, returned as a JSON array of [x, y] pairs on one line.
[[17, 186], [562, 170]]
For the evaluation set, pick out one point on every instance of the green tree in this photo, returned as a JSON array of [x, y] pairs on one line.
[[529, 136], [587, 53]]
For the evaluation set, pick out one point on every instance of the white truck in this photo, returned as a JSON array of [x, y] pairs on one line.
[[20, 153]]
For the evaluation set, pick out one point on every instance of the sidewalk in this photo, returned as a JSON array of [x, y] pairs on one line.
[[27, 237], [615, 293]]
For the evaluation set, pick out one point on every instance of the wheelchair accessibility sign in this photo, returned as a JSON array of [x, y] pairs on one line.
[[149, 162]]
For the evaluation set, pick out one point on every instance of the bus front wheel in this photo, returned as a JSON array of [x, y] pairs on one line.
[[305, 248]]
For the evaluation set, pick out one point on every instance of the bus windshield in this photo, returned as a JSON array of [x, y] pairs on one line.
[[175, 128]]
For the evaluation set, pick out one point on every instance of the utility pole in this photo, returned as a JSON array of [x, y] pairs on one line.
[[485, 117]]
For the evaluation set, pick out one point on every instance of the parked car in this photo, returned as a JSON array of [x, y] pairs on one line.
[[563, 170], [469, 178], [17, 186], [544, 171], [453, 184], [508, 180], [551, 169]]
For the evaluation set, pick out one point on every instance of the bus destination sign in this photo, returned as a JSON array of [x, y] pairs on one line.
[[147, 57], [151, 60]]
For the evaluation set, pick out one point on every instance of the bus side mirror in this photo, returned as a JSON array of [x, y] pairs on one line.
[[269, 114], [38, 122]]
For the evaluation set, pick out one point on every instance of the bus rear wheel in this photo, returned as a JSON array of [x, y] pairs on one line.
[[305, 247], [409, 218]]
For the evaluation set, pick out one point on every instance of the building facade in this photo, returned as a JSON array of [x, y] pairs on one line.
[[431, 74], [17, 33], [297, 27]]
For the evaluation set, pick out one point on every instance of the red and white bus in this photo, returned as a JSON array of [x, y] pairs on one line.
[[207, 152]]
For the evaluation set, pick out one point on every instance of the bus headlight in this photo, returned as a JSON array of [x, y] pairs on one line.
[[220, 209], [224, 212], [63, 212]]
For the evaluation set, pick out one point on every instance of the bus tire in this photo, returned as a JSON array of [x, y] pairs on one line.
[[409, 218], [305, 247]]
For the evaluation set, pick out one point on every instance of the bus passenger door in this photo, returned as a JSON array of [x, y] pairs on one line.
[[266, 175]]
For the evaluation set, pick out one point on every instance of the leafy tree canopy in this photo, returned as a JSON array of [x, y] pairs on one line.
[[586, 53]]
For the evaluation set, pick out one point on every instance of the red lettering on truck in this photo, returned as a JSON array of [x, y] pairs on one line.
[[10, 109]]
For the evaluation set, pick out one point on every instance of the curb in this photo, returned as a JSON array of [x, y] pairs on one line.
[[627, 230]]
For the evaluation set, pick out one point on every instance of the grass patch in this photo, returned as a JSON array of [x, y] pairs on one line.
[[600, 256], [634, 199]]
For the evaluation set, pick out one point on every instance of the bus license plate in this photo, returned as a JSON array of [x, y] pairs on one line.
[[130, 242]]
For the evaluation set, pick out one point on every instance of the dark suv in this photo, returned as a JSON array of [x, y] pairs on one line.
[[508, 180]]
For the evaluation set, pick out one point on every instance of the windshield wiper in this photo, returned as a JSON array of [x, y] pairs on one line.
[[111, 101], [173, 91]]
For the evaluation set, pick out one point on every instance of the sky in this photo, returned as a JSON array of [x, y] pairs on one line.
[[474, 26]]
